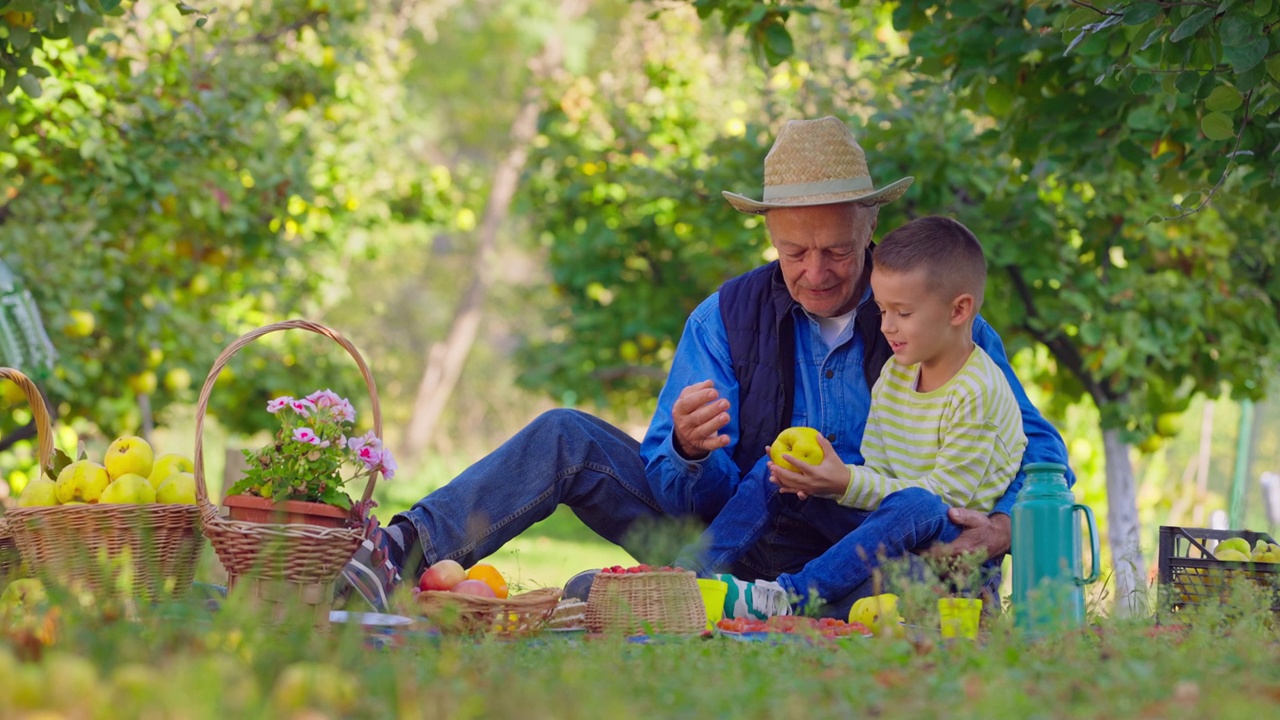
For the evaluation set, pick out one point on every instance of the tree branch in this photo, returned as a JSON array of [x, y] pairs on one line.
[[1231, 162]]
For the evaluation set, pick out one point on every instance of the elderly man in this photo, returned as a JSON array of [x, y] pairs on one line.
[[793, 343]]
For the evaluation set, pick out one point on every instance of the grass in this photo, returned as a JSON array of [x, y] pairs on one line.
[[180, 660]]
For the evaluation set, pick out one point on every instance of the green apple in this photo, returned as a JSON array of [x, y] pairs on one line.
[[166, 465], [179, 489], [129, 455], [1231, 555], [1235, 543], [25, 593], [128, 489], [83, 480], [798, 442], [40, 492]]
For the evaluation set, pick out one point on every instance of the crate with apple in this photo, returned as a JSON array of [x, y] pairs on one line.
[[128, 522], [477, 600]]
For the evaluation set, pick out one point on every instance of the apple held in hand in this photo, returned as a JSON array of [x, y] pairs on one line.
[[443, 575], [798, 442]]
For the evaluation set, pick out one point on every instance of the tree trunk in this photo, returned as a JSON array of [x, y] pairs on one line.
[[1123, 530], [445, 361]]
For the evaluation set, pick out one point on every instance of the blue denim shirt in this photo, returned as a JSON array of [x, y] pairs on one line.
[[831, 395]]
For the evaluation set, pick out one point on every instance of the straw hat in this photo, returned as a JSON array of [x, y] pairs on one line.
[[817, 162]]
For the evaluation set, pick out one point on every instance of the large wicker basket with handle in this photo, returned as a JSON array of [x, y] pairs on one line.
[[150, 550], [663, 602], [285, 567]]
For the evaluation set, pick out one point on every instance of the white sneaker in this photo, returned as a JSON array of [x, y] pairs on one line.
[[760, 599]]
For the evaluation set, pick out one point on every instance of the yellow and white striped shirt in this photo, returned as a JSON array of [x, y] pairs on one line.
[[963, 441]]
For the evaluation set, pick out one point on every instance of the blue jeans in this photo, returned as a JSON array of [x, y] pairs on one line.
[[567, 457], [907, 520]]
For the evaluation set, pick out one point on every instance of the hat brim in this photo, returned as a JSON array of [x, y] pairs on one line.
[[886, 194]]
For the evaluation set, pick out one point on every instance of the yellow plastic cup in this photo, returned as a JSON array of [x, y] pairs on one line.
[[958, 617], [713, 594]]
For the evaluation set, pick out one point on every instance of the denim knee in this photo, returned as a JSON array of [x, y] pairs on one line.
[[915, 499]]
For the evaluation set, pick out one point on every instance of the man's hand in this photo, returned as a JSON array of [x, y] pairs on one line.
[[989, 535], [697, 417]]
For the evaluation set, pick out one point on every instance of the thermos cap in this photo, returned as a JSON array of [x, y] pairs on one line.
[[1044, 467]]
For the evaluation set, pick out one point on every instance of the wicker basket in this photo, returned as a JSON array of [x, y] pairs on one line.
[[285, 565], [646, 603], [10, 558], [150, 550], [515, 616]]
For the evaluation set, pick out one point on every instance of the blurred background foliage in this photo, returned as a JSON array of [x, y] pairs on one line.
[[178, 174]]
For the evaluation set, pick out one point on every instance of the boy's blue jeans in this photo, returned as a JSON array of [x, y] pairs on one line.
[[908, 520], [573, 458]]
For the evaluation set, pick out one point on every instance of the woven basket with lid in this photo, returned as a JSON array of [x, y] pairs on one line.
[[91, 545], [285, 568], [666, 602]]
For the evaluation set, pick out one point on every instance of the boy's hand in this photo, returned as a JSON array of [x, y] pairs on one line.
[[829, 478]]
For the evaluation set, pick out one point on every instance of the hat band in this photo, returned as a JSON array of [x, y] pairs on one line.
[[791, 190]]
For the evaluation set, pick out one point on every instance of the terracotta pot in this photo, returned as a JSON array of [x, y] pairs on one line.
[[251, 508]]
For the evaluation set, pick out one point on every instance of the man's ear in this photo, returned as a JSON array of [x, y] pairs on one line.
[[963, 308]]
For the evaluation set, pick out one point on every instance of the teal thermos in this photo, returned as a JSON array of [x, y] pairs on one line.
[[1048, 583]]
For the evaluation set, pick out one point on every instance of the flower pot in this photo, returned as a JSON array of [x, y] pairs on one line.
[[251, 508]]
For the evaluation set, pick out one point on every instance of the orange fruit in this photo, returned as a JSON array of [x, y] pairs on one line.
[[490, 576]]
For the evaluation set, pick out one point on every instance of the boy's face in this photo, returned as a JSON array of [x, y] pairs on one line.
[[918, 323], [821, 250]]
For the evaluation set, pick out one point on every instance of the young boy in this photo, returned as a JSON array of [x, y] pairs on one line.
[[944, 431]]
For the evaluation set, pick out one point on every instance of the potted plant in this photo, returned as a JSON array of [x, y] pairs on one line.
[[300, 476]]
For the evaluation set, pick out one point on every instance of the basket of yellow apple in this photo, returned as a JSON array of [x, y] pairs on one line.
[[126, 524]]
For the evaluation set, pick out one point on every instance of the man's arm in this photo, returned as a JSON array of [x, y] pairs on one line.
[[701, 479], [992, 533]]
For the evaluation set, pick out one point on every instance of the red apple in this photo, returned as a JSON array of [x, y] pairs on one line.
[[479, 588], [443, 575]]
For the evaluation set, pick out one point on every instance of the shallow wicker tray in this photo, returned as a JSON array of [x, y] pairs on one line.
[[517, 615], [646, 602], [150, 550]]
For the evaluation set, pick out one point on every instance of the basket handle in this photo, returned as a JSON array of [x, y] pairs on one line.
[[202, 491], [40, 411]]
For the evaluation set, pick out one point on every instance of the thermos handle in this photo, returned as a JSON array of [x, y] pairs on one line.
[[1093, 543]]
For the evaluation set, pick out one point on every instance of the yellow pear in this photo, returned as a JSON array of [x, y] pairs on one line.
[[1233, 543], [39, 493], [129, 455], [26, 593], [798, 442], [879, 614], [1230, 555], [128, 489], [83, 480], [179, 489], [166, 465]]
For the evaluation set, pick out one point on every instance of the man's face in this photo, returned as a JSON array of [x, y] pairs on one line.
[[821, 250]]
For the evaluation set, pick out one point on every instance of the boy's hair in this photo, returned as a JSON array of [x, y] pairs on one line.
[[947, 251]]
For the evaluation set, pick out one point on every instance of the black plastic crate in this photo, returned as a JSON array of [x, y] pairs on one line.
[[1190, 574]]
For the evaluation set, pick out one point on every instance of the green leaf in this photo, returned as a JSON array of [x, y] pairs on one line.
[[1155, 35], [60, 461], [1140, 12], [1238, 30], [1217, 126], [1187, 82], [1224, 98], [1142, 82], [1191, 25], [1246, 56], [30, 84], [778, 43], [1273, 67]]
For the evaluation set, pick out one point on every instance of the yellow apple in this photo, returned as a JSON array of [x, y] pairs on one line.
[[129, 455], [306, 685], [166, 465], [798, 442], [39, 493], [178, 489], [82, 480], [879, 614], [128, 489]]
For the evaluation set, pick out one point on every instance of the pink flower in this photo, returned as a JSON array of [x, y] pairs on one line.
[[325, 398], [389, 465], [280, 403], [303, 407], [341, 441], [368, 448], [306, 435]]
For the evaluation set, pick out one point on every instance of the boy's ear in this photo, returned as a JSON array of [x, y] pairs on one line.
[[963, 308]]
